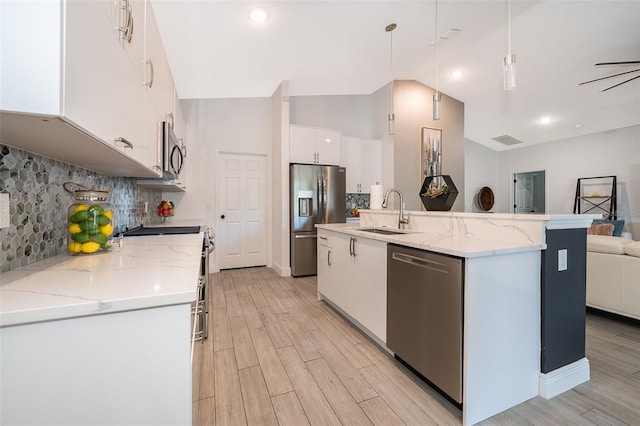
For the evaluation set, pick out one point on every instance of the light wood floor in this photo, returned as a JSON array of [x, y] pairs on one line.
[[276, 355]]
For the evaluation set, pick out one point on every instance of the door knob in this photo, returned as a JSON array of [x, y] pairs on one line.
[[221, 216]]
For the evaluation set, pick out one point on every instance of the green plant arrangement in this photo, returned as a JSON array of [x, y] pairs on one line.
[[435, 191]]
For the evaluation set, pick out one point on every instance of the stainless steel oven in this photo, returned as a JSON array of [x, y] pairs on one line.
[[201, 307]]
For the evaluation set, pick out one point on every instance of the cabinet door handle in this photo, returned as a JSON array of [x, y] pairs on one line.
[[126, 21], [129, 26], [149, 82], [125, 142], [329, 257]]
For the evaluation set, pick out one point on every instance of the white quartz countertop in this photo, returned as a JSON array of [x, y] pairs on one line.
[[145, 272], [451, 244]]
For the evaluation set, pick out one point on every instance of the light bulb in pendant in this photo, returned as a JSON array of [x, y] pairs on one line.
[[509, 72], [437, 98]]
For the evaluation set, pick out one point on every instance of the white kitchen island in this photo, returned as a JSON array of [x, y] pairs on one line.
[[100, 339], [502, 296]]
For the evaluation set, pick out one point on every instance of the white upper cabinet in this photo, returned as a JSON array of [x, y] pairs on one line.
[[310, 145], [158, 80], [363, 161], [73, 83]]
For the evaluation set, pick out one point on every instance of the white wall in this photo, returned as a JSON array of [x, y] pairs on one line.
[[480, 170], [615, 152], [240, 125], [279, 256]]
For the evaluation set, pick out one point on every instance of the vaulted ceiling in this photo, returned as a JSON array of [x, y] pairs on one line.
[[341, 48]]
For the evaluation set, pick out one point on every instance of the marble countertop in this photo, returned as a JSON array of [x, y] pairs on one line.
[[454, 245], [145, 272]]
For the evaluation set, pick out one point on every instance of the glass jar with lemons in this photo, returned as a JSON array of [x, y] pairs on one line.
[[90, 223]]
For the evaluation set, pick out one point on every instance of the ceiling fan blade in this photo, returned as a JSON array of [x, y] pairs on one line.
[[616, 85], [618, 63], [609, 76]]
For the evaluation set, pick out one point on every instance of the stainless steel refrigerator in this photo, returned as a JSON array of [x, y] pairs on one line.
[[317, 195]]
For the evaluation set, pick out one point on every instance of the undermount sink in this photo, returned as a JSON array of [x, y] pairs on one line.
[[381, 231]]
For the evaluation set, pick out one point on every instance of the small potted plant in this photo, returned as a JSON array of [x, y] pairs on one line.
[[438, 193]]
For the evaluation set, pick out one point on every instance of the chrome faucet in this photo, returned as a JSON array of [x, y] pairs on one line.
[[402, 220]]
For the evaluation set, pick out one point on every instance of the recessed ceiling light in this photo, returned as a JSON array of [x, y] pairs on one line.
[[578, 126], [544, 121], [258, 15], [457, 74]]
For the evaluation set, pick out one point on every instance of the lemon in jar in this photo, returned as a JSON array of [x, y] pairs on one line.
[[74, 247], [90, 247], [74, 228], [106, 229], [80, 207], [109, 214]]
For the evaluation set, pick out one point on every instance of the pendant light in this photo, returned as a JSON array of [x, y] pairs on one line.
[[392, 117], [437, 98], [509, 62]]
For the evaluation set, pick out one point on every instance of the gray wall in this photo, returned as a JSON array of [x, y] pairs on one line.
[[350, 113]]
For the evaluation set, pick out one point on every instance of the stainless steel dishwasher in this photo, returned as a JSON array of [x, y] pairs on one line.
[[425, 313]]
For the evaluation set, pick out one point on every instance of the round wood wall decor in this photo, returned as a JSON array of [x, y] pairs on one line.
[[485, 198]]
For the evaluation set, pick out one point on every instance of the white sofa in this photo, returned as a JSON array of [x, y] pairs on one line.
[[613, 275]]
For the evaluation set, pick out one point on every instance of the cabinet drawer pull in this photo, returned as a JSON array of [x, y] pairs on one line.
[[329, 257], [125, 142], [149, 82]]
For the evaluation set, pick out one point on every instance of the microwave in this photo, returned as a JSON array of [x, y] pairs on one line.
[[173, 154]]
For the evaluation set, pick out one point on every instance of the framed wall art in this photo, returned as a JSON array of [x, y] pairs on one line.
[[431, 154]]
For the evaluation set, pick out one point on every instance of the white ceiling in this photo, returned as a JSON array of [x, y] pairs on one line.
[[341, 47]]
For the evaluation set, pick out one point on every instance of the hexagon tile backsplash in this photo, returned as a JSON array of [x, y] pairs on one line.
[[38, 204]]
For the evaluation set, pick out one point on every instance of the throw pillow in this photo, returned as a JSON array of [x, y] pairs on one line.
[[632, 249], [617, 225], [602, 229]]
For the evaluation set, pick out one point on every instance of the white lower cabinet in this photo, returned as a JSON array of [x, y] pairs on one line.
[[121, 368], [352, 274], [371, 285]]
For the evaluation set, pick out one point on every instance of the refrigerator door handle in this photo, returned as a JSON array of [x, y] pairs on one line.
[[325, 219], [319, 198]]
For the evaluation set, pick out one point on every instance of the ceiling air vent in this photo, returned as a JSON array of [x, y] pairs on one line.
[[507, 140]]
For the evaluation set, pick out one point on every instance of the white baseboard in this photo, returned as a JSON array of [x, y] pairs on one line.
[[283, 271], [564, 378]]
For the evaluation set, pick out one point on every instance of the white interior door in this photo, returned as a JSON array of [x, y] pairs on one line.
[[523, 193], [241, 228]]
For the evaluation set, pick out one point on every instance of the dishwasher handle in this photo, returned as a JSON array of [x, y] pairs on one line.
[[420, 262]]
